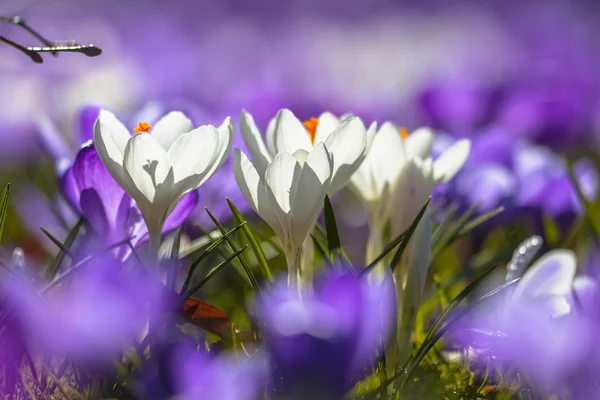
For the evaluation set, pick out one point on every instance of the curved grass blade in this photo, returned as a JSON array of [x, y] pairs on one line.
[[244, 264], [54, 266], [205, 254], [4, 208], [480, 220], [385, 252], [409, 233], [252, 241], [211, 273], [453, 233], [441, 228]]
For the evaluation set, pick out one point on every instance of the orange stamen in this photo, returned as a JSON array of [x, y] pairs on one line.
[[142, 127], [311, 127], [404, 133]]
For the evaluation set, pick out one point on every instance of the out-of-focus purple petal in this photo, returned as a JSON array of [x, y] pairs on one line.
[[488, 185], [84, 123], [323, 341], [52, 141]]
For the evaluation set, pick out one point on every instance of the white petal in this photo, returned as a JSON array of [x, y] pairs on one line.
[[418, 143], [451, 161], [225, 131], [308, 199], [552, 274], [110, 138], [253, 189], [170, 127], [410, 193], [371, 134], [290, 135], [147, 165], [348, 145], [261, 157], [270, 135], [192, 156], [281, 183], [327, 124]]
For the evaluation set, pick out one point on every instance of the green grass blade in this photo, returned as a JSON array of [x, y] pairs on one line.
[[4, 208], [54, 266], [409, 233], [479, 220], [205, 254], [252, 241], [212, 272], [453, 232], [591, 212], [385, 252], [441, 228], [244, 264]]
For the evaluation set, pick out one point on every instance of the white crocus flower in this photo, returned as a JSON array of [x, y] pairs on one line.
[[288, 193], [346, 138], [158, 165]]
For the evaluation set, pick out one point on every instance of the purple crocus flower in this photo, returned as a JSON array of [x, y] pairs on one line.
[[323, 341], [110, 212], [221, 377], [92, 315]]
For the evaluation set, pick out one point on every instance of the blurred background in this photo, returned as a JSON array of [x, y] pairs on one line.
[[518, 78]]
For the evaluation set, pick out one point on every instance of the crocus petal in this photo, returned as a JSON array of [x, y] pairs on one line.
[[170, 127], [290, 135], [254, 190], [147, 166], [84, 123], [348, 142], [111, 138], [193, 155], [327, 124], [270, 136], [451, 161], [92, 207], [51, 140], [419, 143], [311, 190], [261, 157], [281, 182], [181, 212], [226, 131], [551, 275], [70, 189]]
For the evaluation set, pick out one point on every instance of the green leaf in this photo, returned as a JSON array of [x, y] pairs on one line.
[[441, 228], [453, 232], [591, 213], [54, 266], [479, 220], [205, 254], [385, 252], [252, 241], [212, 272], [409, 233], [4, 208], [551, 231], [173, 270], [320, 246], [333, 237], [244, 264]]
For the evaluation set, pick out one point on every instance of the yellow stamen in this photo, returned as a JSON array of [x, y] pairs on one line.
[[404, 133], [311, 127], [142, 127]]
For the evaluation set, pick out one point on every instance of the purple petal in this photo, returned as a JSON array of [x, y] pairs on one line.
[[182, 211], [52, 141], [93, 209], [84, 123], [70, 190]]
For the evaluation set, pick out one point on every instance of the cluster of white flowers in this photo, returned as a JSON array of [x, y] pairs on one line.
[[289, 174]]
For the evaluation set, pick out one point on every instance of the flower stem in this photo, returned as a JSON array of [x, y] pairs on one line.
[[291, 256], [307, 262]]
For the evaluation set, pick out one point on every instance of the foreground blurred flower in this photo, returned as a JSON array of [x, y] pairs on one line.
[[156, 169], [536, 327], [93, 315], [288, 193], [323, 341], [346, 139], [200, 376], [109, 211]]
